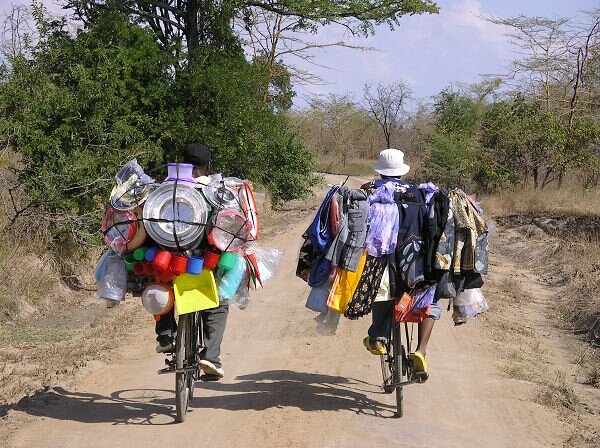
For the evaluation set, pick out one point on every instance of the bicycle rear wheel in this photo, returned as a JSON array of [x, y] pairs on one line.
[[397, 360], [185, 357]]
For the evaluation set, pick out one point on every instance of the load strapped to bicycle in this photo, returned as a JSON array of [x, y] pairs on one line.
[[395, 249], [188, 245]]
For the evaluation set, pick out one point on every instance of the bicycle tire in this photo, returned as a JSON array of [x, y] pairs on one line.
[[184, 353], [398, 359]]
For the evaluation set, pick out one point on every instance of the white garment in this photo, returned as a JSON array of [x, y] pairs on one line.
[[383, 295], [209, 180]]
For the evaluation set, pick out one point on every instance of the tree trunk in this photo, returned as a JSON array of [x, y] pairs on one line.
[[192, 36], [535, 177]]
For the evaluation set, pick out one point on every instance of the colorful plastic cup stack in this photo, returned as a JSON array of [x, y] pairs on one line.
[[138, 254], [194, 265], [129, 262], [150, 254], [148, 268], [162, 261], [178, 264], [227, 261], [138, 269], [211, 259]]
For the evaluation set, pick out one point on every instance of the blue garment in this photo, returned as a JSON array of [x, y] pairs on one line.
[[383, 221], [319, 230]]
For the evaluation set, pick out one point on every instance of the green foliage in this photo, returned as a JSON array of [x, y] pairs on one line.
[[80, 106], [456, 114]]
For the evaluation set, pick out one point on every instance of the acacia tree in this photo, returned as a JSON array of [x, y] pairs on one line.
[[386, 103], [557, 66], [201, 22]]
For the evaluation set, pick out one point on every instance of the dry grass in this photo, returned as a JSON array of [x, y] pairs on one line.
[[593, 377], [557, 393], [564, 201]]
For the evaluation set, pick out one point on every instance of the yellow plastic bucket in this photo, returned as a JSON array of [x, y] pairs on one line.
[[195, 292]]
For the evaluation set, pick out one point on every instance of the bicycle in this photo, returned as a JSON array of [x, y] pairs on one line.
[[396, 367], [183, 360]]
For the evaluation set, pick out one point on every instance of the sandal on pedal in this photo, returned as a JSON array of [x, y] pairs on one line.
[[419, 366], [374, 350]]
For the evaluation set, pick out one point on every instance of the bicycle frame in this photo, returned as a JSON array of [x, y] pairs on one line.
[[183, 360], [395, 364]]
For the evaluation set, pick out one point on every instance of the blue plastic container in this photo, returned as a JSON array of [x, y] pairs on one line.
[[194, 265], [150, 253]]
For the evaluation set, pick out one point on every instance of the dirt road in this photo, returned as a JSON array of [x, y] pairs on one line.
[[285, 386]]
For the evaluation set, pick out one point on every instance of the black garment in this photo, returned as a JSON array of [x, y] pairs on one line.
[[367, 288], [433, 227], [467, 280], [407, 263]]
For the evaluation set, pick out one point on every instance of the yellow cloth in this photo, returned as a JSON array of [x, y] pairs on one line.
[[344, 290]]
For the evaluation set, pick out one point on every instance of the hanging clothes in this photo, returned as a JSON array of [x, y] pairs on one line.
[[347, 247], [348, 282], [469, 225], [407, 263], [383, 221]]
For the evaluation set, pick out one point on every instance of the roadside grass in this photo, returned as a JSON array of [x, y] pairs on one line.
[[15, 335], [564, 201], [556, 392], [593, 376]]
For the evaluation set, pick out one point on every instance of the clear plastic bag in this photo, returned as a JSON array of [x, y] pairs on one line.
[[469, 303], [268, 260], [111, 276], [327, 322]]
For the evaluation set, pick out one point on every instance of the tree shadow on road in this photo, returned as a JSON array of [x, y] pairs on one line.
[[257, 391]]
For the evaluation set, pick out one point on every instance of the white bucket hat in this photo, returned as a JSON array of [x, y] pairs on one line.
[[391, 163]]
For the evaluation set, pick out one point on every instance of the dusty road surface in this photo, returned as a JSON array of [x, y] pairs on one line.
[[285, 386]]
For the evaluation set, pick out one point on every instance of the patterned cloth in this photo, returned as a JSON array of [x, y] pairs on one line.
[[362, 301], [469, 226]]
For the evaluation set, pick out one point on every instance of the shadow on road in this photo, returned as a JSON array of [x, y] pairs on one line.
[[285, 388], [257, 391]]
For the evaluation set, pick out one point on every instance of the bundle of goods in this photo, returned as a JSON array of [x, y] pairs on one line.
[[182, 243], [395, 241]]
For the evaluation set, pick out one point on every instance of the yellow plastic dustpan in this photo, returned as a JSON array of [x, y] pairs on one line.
[[195, 292]]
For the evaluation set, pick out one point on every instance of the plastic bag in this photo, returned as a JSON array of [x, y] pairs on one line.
[[469, 303], [268, 259], [241, 299], [327, 322], [111, 276], [232, 279]]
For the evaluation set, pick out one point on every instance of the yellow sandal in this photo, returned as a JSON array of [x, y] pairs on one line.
[[375, 351], [419, 365]]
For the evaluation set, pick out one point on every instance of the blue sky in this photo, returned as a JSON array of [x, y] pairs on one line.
[[431, 51], [428, 51]]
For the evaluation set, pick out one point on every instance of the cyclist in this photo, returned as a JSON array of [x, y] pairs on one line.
[[391, 168], [215, 319]]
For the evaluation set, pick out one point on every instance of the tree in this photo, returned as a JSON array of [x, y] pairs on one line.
[[209, 22], [17, 30], [341, 125], [387, 105]]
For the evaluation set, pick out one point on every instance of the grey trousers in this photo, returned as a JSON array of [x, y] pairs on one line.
[[214, 321]]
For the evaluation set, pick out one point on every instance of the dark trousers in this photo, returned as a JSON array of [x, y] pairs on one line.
[[381, 326], [214, 322]]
